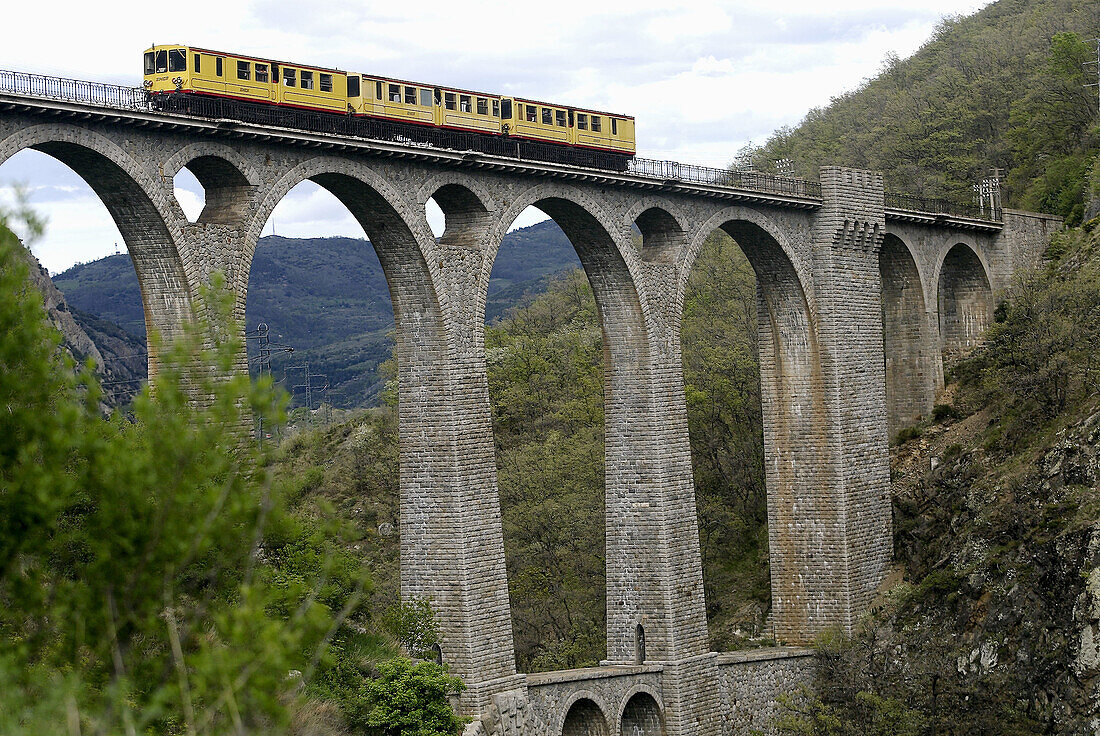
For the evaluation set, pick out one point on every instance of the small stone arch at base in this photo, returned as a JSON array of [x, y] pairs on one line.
[[641, 716], [584, 718]]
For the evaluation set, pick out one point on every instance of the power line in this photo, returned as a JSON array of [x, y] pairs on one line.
[[1096, 42]]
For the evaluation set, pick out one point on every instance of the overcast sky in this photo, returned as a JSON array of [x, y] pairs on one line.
[[701, 78]]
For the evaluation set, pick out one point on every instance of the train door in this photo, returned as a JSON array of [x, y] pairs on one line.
[[437, 108], [506, 124]]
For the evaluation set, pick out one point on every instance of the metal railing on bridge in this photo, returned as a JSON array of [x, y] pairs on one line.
[[135, 98]]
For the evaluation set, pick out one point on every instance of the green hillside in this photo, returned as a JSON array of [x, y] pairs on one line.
[[1003, 88], [327, 298]]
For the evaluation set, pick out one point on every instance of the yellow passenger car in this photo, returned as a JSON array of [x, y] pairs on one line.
[[174, 68], [202, 71]]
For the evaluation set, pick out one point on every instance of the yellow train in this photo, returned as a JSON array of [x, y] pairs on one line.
[[178, 75]]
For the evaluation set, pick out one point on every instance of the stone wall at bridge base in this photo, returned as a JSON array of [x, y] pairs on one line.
[[631, 700]]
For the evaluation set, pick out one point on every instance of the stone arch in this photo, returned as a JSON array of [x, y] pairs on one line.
[[464, 208], [794, 414], [432, 562], [582, 714], [139, 206], [964, 298], [609, 264], [439, 181], [662, 235], [228, 179], [663, 227], [907, 340], [641, 713]]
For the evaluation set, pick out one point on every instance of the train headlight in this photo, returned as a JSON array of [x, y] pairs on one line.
[[147, 84], [178, 81]]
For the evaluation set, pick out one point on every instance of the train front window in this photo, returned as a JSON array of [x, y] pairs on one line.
[[261, 73], [150, 63], [326, 82], [559, 118], [177, 60], [353, 87], [290, 77], [162, 62], [244, 70], [425, 98], [307, 80], [506, 109]]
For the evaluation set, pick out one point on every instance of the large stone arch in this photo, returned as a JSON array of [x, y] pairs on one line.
[[796, 450], [907, 339], [451, 550], [635, 587], [583, 713], [964, 299], [139, 206]]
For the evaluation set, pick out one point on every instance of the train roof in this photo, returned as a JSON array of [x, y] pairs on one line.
[[381, 78]]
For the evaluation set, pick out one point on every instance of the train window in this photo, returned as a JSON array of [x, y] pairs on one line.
[[547, 116], [218, 66], [150, 63], [464, 103], [614, 126], [198, 63], [482, 106], [378, 90], [410, 95], [496, 108], [162, 62], [261, 73], [177, 60], [353, 87], [394, 93], [559, 118], [425, 98], [532, 114], [307, 80], [506, 109], [289, 77], [582, 121], [244, 70], [449, 100], [326, 82], [595, 123]]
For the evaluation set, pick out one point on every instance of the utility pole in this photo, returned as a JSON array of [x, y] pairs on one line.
[[263, 361], [988, 193], [308, 383]]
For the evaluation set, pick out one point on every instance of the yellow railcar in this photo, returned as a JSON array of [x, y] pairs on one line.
[[173, 69], [202, 71]]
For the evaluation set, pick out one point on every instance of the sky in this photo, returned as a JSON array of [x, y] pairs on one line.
[[702, 79]]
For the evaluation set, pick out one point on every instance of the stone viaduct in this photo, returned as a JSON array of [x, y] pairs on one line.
[[858, 303]]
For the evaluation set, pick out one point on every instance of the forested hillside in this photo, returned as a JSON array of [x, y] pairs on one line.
[[327, 298], [1003, 88]]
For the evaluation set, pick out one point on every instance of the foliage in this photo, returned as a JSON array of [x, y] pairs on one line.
[[153, 579], [1041, 358], [414, 626], [410, 699], [999, 89]]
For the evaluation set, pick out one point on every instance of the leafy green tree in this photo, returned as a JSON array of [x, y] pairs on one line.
[[411, 699]]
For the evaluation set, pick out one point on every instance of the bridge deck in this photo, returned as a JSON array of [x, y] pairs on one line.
[[96, 101]]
